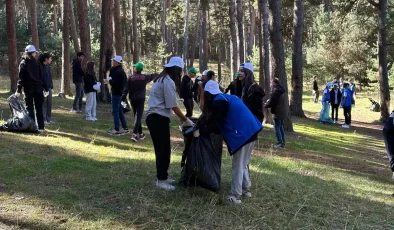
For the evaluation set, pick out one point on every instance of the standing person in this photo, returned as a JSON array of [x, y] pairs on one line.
[[78, 82], [341, 84], [346, 104], [315, 89], [228, 115], [33, 83], [352, 88], [252, 94], [388, 133], [235, 87], [186, 92], [90, 80], [118, 80], [136, 88], [195, 88], [162, 102], [335, 100], [325, 110], [45, 60], [276, 102]]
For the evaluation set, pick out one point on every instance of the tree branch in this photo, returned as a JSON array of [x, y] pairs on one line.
[[375, 4]]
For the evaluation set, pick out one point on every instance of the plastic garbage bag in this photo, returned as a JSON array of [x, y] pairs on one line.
[[20, 120], [125, 105]]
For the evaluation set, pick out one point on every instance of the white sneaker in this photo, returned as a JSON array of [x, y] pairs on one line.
[[345, 126], [247, 193], [90, 119], [234, 199], [47, 123], [171, 180], [163, 184]]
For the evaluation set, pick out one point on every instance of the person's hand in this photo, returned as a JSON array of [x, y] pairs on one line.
[[182, 100], [187, 123], [196, 133], [199, 83], [52, 91], [46, 93], [17, 94]]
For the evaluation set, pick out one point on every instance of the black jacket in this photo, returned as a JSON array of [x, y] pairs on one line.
[[118, 81], [31, 78], [332, 97], [89, 81], [277, 102], [253, 99], [46, 71], [235, 88], [195, 88], [136, 86], [186, 88], [315, 86], [77, 71]]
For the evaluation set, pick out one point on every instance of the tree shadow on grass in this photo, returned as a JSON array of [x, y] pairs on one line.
[[114, 193]]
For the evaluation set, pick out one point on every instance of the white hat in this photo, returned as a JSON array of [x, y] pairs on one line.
[[329, 84], [205, 72], [212, 87], [175, 61], [118, 59], [247, 65], [30, 49]]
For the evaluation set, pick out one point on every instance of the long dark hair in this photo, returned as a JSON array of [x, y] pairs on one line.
[[247, 81], [175, 74], [90, 68], [28, 55]]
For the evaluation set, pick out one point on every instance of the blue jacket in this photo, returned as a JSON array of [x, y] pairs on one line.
[[389, 125], [327, 97], [349, 94], [240, 124]]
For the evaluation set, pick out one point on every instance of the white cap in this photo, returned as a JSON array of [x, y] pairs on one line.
[[247, 65], [329, 84], [212, 87], [118, 59], [30, 49], [175, 61], [205, 72]]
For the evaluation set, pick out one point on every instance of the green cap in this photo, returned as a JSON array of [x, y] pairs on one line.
[[236, 74], [139, 66], [193, 70]]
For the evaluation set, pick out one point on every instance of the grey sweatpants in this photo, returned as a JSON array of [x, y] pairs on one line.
[[91, 105], [240, 170]]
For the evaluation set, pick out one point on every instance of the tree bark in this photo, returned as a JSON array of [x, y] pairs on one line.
[[278, 56], [12, 48], [84, 29], [297, 68], [240, 20], [106, 51], [34, 28], [65, 84], [118, 29], [193, 49], [73, 28], [54, 19], [204, 38], [136, 54], [185, 31], [252, 28], [163, 21], [234, 39]]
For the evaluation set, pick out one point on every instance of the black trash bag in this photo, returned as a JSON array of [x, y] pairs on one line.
[[125, 105], [203, 165], [20, 120]]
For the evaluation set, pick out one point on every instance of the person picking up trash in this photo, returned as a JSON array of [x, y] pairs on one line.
[[239, 127]]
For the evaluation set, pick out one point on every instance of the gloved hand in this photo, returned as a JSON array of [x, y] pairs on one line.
[[17, 94], [109, 78], [53, 92], [182, 100], [196, 133], [200, 82], [187, 123], [46, 93]]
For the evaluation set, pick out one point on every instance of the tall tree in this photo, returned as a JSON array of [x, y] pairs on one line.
[[252, 28], [195, 38], [118, 29], [278, 56], [204, 36], [240, 21], [73, 27], [54, 19], [84, 29], [65, 84], [136, 49], [106, 51], [384, 89], [234, 38], [163, 21], [185, 31], [33, 18], [297, 68], [12, 49]]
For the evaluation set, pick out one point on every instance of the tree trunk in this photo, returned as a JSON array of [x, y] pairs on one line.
[[185, 31], [234, 39], [111, 26], [220, 62], [170, 47], [73, 28], [163, 21], [240, 20], [278, 56], [382, 53], [193, 49], [106, 51], [12, 49], [297, 69], [118, 29], [54, 20], [125, 44], [136, 54], [84, 29], [65, 84], [34, 28], [252, 28], [204, 39]]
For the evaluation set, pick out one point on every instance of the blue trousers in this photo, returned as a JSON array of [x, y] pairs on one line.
[[279, 131], [117, 112]]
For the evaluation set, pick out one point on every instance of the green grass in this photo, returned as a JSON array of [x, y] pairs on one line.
[[78, 177]]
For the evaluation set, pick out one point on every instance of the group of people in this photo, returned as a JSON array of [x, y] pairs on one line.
[[338, 94]]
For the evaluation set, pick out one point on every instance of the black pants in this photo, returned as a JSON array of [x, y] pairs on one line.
[[159, 128], [35, 100], [188, 103], [138, 108], [347, 112], [389, 142], [334, 107]]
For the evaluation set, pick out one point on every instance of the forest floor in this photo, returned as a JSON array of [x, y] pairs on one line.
[[78, 177]]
